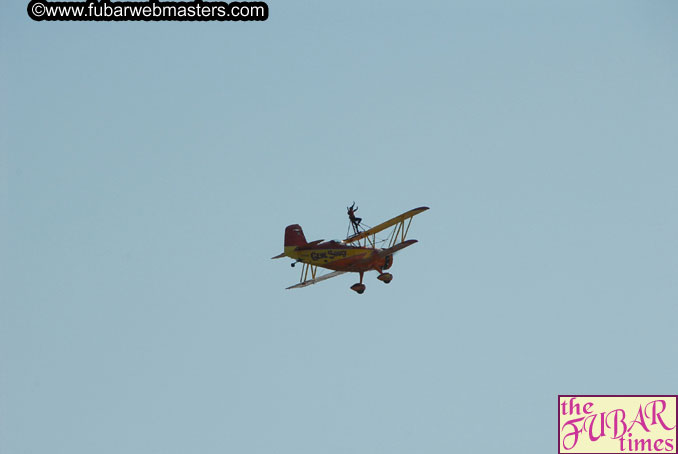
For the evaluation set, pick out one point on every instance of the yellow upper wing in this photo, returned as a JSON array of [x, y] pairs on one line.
[[385, 225]]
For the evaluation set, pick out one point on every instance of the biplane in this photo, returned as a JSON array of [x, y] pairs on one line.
[[359, 253]]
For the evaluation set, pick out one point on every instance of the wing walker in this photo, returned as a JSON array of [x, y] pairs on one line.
[[358, 253]]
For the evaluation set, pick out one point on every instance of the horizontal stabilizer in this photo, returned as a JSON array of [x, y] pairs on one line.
[[309, 245], [279, 256]]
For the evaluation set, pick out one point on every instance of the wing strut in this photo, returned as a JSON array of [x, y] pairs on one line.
[[305, 268]]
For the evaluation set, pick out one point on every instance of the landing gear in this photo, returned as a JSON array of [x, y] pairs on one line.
[[294, 263], [385, 277], [359, 288]]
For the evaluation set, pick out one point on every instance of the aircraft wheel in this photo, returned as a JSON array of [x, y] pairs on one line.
[[385, 277], [358, 288]]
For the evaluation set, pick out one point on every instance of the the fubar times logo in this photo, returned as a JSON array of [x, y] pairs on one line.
[[590, 424]]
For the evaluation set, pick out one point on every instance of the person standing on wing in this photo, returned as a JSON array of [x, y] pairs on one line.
[[355, 222]]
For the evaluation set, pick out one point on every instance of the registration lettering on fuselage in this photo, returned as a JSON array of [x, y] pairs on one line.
[[329, 254]]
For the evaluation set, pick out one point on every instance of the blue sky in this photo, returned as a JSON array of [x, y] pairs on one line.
[[149, 170]]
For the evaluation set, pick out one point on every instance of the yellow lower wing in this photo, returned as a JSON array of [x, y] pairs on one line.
[[317, 279]]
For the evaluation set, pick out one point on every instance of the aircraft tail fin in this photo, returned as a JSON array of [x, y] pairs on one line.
[[294, 236]]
